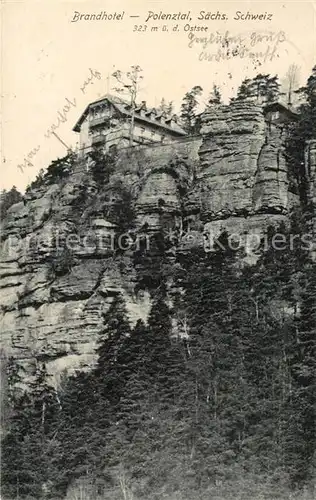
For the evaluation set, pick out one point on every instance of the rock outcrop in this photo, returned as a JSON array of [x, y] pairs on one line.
[[242, 182], [60, 265]]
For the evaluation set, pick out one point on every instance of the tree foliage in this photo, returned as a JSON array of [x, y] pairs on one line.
[[160, 413], [103, 165], [215, 96], [165, 107], [263, 88], [188, 114], [57, 171], [7, 199]]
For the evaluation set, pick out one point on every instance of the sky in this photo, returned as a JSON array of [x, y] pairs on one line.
[[51, 65]]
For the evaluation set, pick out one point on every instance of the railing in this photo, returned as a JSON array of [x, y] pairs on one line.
[[98, 121], [98, 139]]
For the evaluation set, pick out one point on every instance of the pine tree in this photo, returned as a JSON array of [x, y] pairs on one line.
[[265, 88], [271, 346], [164, 360], [12, 376], [107, 382], [261, 89], [60, 168], [31, 439], [170, 107], [14, 475], [111, 339], [134, 349], [132, 359], [309, 91], [215, 96], [7, 199], [188, 115], [273, 92], [212, 382], [162, 108], [148, 429], [244, 91], [302, 438], [82, 425], [165, 107]]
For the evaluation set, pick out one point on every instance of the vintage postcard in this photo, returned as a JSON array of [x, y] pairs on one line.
[[158, 250]]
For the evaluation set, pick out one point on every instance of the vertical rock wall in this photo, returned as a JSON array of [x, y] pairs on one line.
[[243, 180], [310, 173]]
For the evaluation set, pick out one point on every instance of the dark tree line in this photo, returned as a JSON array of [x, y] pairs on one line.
[[263, 88], [220, 409]]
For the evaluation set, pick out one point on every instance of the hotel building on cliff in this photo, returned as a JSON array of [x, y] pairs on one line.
[[106, 123]]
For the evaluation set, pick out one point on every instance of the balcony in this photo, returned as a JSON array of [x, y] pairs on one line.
[[94, 122], [98, 139]]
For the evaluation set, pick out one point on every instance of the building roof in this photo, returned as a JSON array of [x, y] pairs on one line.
[[278, 106], [151, 116]]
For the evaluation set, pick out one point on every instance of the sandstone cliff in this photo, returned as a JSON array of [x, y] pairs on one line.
[[52, 299], [310, 174]]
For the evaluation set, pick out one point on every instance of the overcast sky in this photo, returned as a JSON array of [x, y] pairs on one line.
[[47, 58]]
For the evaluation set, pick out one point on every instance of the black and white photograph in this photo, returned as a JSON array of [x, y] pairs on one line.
[[158, 250]]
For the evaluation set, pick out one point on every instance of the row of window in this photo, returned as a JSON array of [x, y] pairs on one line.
[[153, 134], [141, 130], [99, 113]]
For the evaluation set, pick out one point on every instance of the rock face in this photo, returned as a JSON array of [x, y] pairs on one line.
[[243, 172], [310, 170], [233, 139], [310, 173], [242, 183], [61, 266]]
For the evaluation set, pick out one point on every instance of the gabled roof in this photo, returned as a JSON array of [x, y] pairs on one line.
[[278, 106], [151, 116], [108, 97]]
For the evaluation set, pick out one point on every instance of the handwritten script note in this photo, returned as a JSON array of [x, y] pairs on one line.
[[62, 117], [260, 47]]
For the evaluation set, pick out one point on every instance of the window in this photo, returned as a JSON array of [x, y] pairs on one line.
[[113, 149]]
